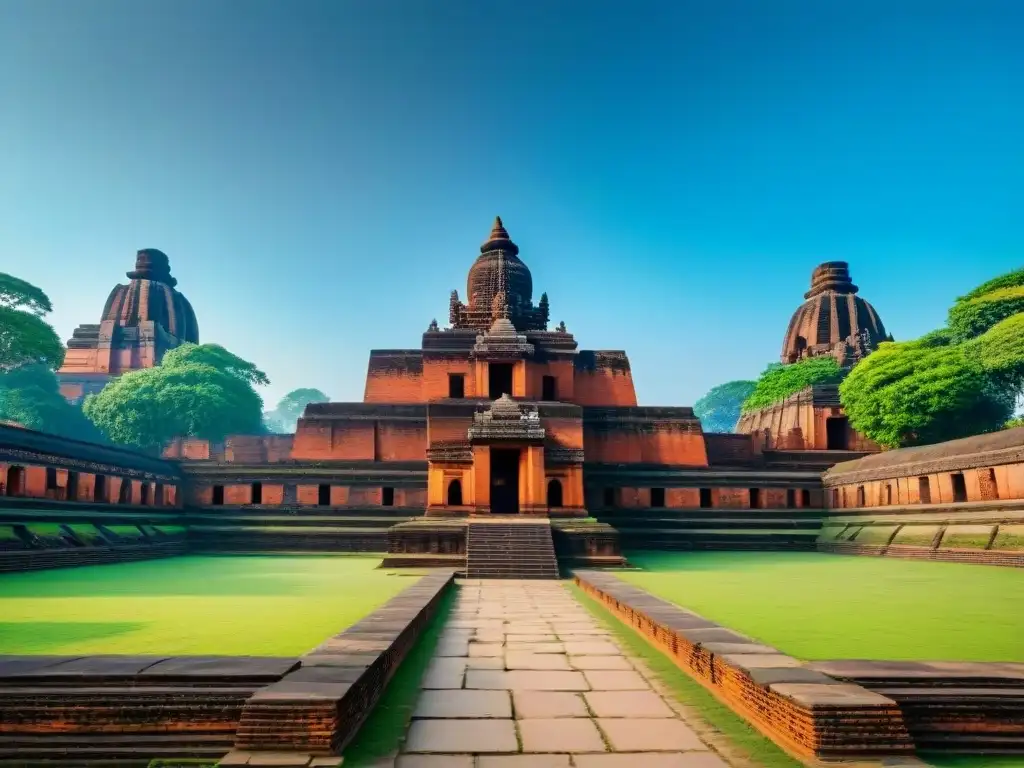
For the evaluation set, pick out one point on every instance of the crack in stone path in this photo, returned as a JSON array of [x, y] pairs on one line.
[[524, 676]]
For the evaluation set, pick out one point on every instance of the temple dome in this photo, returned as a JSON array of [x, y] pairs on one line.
[[499, 267], [150, 296], [833, 320]]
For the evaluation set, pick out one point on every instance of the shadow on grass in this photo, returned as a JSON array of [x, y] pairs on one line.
[[384, 728], [742, 736], [39, 636]]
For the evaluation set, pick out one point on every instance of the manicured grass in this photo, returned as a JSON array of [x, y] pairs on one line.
[[260, 606], [742, 736], [384, 728], [820, 606]]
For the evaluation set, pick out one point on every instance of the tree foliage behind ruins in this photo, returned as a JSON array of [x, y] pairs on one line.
[[199, 390], [780, 381], [963, 379], [719, 409]]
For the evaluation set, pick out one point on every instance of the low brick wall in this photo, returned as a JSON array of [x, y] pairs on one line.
[[807, 712], [66, 557], [317, 708], [125, 710]]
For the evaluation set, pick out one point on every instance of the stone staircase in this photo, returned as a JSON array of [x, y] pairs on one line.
[[510, 548]]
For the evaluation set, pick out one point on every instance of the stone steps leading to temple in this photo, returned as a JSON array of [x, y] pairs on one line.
[[511, 550]]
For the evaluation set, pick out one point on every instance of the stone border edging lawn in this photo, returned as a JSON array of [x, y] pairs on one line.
[[805, 711], [70, 710], [316, 709]]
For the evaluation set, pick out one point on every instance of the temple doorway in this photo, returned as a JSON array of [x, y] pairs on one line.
[[835, 433], [15, 481], [504, 481], [499, 380]]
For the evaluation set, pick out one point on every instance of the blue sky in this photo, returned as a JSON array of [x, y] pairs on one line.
[[321, 174]]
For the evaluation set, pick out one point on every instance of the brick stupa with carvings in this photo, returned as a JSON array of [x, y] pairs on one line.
[[833, 321], [140, 322]]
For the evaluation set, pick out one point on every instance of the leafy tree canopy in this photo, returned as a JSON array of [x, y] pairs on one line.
[[780, 381], [972, 317], [912, 393], [30, 396], [25, 338], [1012, 279], [16, 293], [719, 409], [199, 391], [215, 356]]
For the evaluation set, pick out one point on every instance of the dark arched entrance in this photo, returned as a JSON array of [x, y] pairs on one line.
[[554, 492], [455, 493]]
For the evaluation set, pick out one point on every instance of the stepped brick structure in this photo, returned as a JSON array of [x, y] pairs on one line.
[[833, 321], [140, 322], [498, 414]]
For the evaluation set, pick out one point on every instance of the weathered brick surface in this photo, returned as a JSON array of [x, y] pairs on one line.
[[66, 710], [318, 708], [821, 719]]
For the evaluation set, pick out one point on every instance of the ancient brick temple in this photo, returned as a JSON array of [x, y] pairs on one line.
[[140, 322], [832, 321], [497, 416]]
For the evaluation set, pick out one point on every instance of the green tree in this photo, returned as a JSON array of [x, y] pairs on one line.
[[30, 396], [719, 409], [915, 393], [972, 317], [198, 391], [285, 417], [780, 381], [25, 337]]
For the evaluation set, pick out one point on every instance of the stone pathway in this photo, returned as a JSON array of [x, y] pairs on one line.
[[524, 676]]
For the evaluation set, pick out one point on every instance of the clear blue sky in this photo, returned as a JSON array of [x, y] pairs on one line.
[[321, 174]]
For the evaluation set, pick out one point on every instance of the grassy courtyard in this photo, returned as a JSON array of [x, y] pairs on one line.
[[259, 606], [819, 606]]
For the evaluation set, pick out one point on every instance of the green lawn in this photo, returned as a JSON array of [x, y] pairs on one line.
[[260, 606], [819, 606]]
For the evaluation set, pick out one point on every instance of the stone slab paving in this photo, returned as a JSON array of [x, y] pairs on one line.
[[525, 677]]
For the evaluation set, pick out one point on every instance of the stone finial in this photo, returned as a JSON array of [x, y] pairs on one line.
[[151, 264], [499, 239], [561, 327], [831, 276], [433, 325]]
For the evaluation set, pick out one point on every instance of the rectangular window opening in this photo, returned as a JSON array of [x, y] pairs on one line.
[[755, 498], [257, 493], [323, 495], [924, 490], [705, 498], [549, 385], [387, 497], [456, 385], [657, 497], [609, 497], [218, 495], [959, 486]]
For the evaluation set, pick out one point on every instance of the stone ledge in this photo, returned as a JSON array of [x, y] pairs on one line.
[[72, 710], [806, 711], [316, 709], [1005, 558]]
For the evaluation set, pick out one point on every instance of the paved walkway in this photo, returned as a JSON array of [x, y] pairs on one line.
[[523, 676]]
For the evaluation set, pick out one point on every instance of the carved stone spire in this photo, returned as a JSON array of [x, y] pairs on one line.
[[499, 239]]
